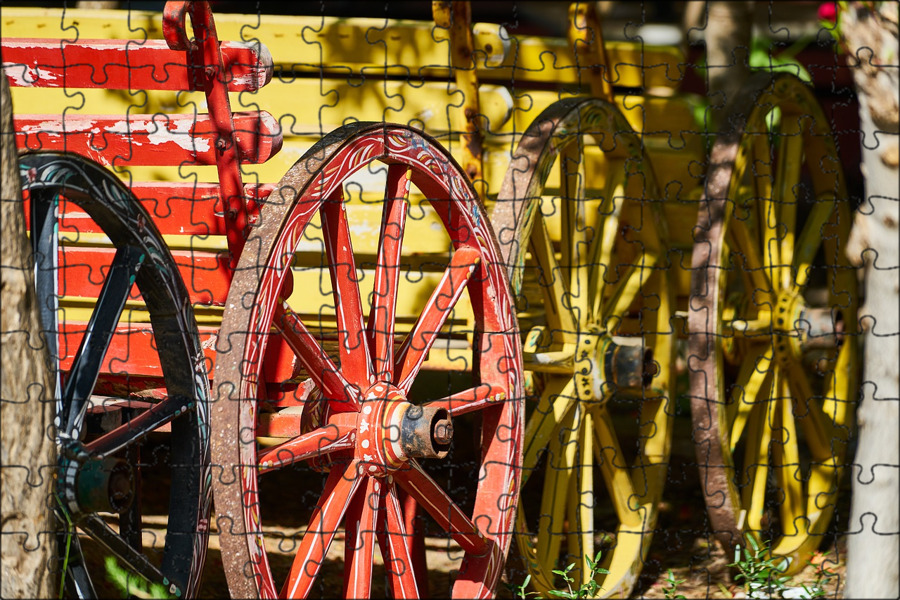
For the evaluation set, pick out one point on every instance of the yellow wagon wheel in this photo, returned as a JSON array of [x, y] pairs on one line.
[[773, 340], [588, 264]]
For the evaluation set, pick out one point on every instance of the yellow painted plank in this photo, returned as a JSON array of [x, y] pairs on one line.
[[395, 47]]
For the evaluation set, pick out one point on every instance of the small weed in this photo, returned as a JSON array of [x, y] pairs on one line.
[[589, 588], [761, 573], [670, 589], [824, 575], [518, 591]]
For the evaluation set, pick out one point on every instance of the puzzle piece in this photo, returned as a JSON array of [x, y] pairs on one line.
[[331, 220]]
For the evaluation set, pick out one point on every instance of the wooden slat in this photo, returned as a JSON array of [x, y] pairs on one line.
[[126, 65], [206, 275], [148, 139]]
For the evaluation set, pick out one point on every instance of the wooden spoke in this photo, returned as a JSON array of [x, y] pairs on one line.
[[576, 234], [353, 349], [554, 285], [361, 546], [786, 462], [99, 531], [470, 400], [817, 426], [616, 474], [437, 310], [582, 502], [397, 543], [138, 428], [442, 508], [327, 516], [626, 290], [380, 327], [326, 375], [318, 442], [810, 239], [754, 266], [755, 376], [557, 487], [556, 402], [604, 242], [756, 457], [100, 330], [787, 178]]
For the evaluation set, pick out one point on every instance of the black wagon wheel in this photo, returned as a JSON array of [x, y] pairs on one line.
[[108, 442]]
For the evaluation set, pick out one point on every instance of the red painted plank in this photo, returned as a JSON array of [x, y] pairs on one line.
[[179, 208], [127, 65], [206, 275], [149, 140], [133, 352]]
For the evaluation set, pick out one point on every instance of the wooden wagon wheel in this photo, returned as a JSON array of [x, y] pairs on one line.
[[773, 326], [100, 474], [589, 266], [357, 419]]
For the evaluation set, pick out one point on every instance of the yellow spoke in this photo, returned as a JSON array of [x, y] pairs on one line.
[[755, 374], [581, 503], [787, 178], [608, 227], [556, 402], [756, 456], [755, 267], [557, 481], [810, 239], [630, 283], [816, 425], [786, 461], [554, 289], [614, 468], [575, 232]]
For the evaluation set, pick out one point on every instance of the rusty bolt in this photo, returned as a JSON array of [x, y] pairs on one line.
[[221, 144], [210, 72], [443, 431]]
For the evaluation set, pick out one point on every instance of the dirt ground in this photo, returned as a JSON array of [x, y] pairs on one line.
[[682, 544]]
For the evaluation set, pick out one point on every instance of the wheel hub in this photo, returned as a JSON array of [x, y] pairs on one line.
[[391, 430], [603, 367], [92, 485], [799, 328]]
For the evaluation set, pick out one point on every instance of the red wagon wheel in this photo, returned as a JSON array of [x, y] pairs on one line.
[[359, 419]]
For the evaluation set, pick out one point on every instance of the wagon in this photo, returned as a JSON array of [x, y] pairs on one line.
[[374, 258]]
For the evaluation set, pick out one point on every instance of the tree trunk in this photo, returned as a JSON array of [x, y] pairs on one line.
[[28, 457], [873, 570]]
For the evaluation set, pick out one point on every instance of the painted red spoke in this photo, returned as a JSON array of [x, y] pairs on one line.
[[395, 547], [380, 328], [329, 512], [353, 349], [318, 442], [415, 347], [360, 548], [442, 508], [470, 400], [322, 370]]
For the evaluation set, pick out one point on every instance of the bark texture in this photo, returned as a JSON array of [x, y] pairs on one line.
[[28, 458], [873, 568]]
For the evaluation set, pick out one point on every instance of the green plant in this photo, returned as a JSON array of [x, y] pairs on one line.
[[130, 584], [816, 589], [670, 589], [589, 588], [759, 570], [518, 591]]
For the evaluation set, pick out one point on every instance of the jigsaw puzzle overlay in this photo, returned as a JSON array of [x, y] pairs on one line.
[[457, 299]]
